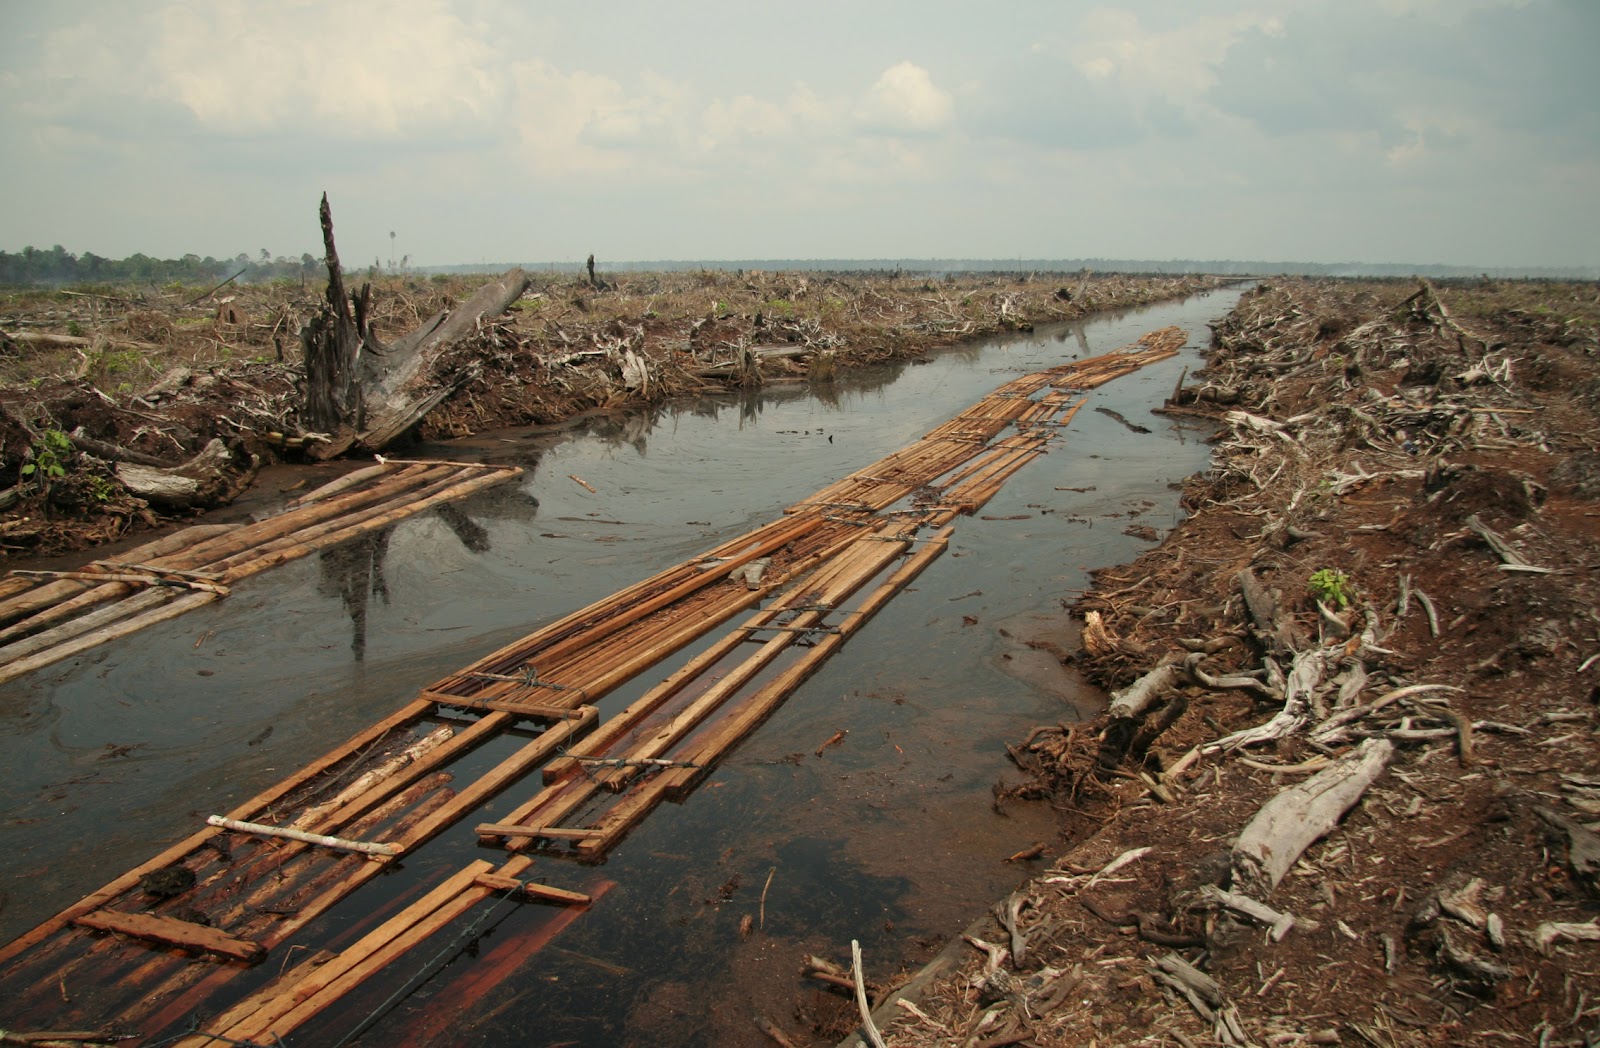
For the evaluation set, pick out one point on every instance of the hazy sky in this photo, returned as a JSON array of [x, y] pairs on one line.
[[1454, 131]]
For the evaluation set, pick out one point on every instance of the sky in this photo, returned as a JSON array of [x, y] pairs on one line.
[[1459, 132]]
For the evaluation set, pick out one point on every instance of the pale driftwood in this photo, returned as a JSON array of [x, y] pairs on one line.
[[1583, 845], [1009, 914], [1137, 698], [1290, 822], [45, 338], [371, 778], [1244, 906], [195, 483], [1273, 628], [338, 843], [1334, 728], [1305, 675], [1191, 665], [1550, 932], [861, 997], [1508, 557]]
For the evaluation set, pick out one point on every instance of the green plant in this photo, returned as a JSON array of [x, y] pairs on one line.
[[100, 489], [1331, 586], [47, 459], [74, 329]]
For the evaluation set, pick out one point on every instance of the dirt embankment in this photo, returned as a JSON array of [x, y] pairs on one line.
[[92, 379], [1385, 603]]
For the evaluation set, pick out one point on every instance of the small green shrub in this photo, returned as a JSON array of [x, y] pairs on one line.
[[1331, 587], [47, 459]]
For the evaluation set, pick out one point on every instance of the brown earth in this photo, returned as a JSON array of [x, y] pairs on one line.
[[161, 372], [1387, 436]]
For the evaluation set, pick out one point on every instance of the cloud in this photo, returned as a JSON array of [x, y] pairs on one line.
[[1457, 73], [1113, 47], [905, 101], [360, 71]]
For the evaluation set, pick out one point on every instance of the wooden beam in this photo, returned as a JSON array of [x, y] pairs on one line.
[[169, 931], [498, 883]]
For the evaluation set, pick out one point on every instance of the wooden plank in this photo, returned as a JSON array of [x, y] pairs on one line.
[[170, 931], [506, 829], [366, 965], [496, 882], [265, 1012]]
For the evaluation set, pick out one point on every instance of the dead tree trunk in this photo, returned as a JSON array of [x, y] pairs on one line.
[[333, 341]]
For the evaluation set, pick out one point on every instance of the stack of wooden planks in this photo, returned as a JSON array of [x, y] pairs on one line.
[[49, 616], [254, 883]]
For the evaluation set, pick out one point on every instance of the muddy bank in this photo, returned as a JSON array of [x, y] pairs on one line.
[[98, 381], [1383, 605]]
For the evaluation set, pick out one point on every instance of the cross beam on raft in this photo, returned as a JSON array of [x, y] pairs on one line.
[[832, 561]]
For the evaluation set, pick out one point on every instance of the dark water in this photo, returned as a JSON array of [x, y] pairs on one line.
[[890, 837]]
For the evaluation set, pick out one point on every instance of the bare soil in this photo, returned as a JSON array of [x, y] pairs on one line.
[[161, 372], [1392, 434]]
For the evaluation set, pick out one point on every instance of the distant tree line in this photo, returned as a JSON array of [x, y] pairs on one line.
[[56, 266]]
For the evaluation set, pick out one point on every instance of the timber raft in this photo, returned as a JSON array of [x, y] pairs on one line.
[[46, 616], [187, 931]]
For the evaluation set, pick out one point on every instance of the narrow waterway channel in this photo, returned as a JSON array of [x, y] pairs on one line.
[[890, 836]]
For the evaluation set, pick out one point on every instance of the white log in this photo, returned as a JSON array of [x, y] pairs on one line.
[[1292, 821], [1138, 697], [190, 484], [339, 843], [1244, 906], [371, 778], [1305, 675]]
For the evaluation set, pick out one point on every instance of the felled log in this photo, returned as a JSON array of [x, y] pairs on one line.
[[1293, 820], [45, 338], [201, 481], [113, 452], [403, 388], [1128, 710], [362, 392]]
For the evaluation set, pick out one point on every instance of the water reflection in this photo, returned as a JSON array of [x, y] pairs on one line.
[[474, 536], [353, 572]]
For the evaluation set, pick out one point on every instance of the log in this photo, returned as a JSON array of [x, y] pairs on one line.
[[45, 338], [1273, 627], [397, 393], [1305, 676], [1133, 701], [113, 452], [198, 482], [1293, 820], [340, 843]]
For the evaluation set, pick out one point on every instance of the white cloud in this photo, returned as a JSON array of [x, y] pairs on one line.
[[360, 70], [905, 101], [487, 129], [1179, 64]]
